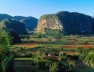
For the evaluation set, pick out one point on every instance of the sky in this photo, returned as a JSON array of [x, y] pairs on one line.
[[36, 8]]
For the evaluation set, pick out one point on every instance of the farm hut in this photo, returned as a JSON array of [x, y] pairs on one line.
[[51, 55]]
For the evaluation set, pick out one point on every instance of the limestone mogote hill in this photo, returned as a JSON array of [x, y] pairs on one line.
[[29, 22], [67, 23]]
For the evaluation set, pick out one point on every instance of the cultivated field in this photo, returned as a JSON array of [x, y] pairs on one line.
[[68, 45]]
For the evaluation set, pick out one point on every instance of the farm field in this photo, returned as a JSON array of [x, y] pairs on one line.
[[23, 63], [68, 46], [28, 52], [68, 43]]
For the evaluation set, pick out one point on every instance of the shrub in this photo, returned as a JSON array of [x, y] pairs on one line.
[[87, 57], [6, 63]]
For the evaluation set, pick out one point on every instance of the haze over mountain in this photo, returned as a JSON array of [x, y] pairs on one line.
[[30, 22]]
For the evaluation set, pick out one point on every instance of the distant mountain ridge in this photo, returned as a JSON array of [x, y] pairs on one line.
[[4, 16], [64, 22], [30, 22]]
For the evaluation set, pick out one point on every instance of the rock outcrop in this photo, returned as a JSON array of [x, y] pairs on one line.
[[67, 22], [49, 21]]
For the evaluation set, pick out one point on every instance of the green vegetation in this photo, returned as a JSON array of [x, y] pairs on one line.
[[49, 50], [87, 56], [46, 55], [6, 63], [50, 64], [6, 57], [54, 33], [61, 59], [16, 26], [5, 44], [48, 16]]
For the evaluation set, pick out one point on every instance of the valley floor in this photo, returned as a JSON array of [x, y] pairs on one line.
[[69, 45]]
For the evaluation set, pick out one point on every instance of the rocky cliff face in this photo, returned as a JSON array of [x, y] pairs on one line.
[[67, 22], [17, 27], [48, 21]]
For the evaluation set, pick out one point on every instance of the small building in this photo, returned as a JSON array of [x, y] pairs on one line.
[[51, 55]]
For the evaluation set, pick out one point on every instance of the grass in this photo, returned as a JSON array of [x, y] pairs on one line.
[[83, 68], [22, 59]]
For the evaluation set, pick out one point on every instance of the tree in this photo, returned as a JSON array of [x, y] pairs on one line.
[[5, 51], [6, 63], [13, 37], [54, 67], [59, 67], [5, 44]]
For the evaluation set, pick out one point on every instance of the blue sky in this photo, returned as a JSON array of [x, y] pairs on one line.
[[36, 8]]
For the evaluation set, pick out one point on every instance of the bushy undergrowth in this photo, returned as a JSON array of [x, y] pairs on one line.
[[87, 56]]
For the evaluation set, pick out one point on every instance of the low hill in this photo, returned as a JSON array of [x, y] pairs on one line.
[[17, 27]]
